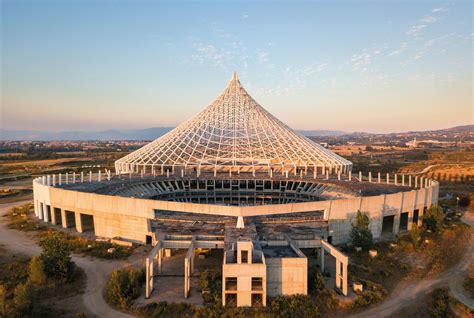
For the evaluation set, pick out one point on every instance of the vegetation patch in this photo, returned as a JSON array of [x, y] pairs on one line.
[[20, 218], [469, 282]]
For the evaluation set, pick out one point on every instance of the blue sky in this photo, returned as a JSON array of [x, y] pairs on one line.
[[345, 65]]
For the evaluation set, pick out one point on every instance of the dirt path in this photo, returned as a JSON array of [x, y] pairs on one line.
[[408, 293], [96, 271]]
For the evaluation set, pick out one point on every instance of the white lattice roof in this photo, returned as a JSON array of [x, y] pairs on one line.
[[233, 133]]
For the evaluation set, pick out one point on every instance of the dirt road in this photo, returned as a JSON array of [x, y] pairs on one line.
[[97, 271], [407, 294]]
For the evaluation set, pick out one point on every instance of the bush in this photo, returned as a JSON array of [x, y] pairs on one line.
[[23, 298], [433, 218], [36, 273], [415, 235], [439, 303], [56, 257], [293, 306], [3, 300], [169, 310], [211, 282], [360, 233], [124, 286], [373, 293]]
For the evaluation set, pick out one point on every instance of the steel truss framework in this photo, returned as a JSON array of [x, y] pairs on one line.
[[233, 134]]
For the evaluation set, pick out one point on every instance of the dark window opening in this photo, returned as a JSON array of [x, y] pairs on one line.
[[387, 224], [231, 283]]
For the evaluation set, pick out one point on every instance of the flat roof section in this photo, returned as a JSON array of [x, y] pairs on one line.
[[279, 252]]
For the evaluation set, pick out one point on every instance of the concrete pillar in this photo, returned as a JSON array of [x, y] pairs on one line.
[[409, 180], [379, 179], [73, 177], [327, 174], [160, 259], [40, 210], [350, 176], [388, 178], [64, 219], [395, 177], [82, 176], [60, 179], [344, 278], [322, 260], [421, 182], [77, 215], [339, 175], [54, 180], [370, 176], [90, 176], [100, 176], [45, 213], [403, 180], [360, 176], [416, 181], [53, 216], [338, 274], [48, 180]]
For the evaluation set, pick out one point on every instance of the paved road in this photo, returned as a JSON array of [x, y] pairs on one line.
[[97, 271], [407, 294]]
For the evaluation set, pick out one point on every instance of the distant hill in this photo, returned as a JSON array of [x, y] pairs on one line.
[[112, 134], [153, 133]]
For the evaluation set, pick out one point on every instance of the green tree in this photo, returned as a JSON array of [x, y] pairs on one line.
[[293, 306], [439, 303], [360, 233], [124, 286], [36, 273], [3, 299], [56, 257], [433, 218], [415, 235], [23, 297]]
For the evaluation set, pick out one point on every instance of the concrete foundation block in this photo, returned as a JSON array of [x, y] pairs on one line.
[[357, 287], [373, 253]]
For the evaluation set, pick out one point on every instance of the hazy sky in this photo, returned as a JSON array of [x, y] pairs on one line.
[[376, 66]]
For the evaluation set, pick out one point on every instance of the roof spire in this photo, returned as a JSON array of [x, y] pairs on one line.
[[234, 76]]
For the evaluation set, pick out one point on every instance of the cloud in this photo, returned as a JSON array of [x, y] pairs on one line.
[[440, 9], [429, 19], [415, 30], [244, 16]]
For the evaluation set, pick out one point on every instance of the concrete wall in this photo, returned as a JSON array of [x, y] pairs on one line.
[[128, 217], [287, 276], [244, 274]]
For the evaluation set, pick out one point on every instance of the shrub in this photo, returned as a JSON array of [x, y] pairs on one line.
[[170, 310], [23, 298], [360, 233], [373, 293], [211, 281], [439, 303], [433, 218], [3, 299], [293, 306], [36, 273], [56, 257], [415, 235], [124, 286]]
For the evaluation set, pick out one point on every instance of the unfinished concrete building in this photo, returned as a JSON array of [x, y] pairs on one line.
[[235, 178]]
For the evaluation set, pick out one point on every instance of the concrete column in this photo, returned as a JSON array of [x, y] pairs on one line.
[[54, 180], [338, 274], [73, 177], [370, 176], [36, 207], [379, 179], [77, 215], [148, 277], [360, 176], [40, 210], [339, 175], [159, 259], [90, 176], [60, 181], [409, 180], [64, 219], [350, 176], [327, 174], [48, 180], [82, 176], [45, 215], [100, 176], [416, 181], [322, 259], [403, 180], [344, 277], [388, 178], [395, 177], [53, 216]]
